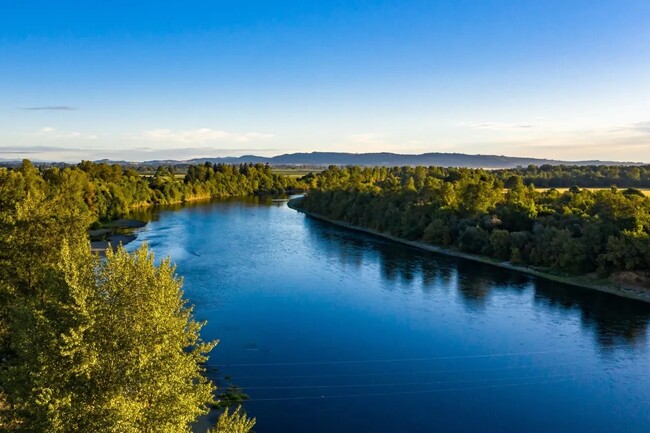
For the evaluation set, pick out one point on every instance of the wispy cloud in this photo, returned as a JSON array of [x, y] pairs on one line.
[[546, 138], [218, 151], [632, 143], [50, 132], [75, 154], [199, 135], [28, 150], [637, 127], [50, 108], [497, 126]]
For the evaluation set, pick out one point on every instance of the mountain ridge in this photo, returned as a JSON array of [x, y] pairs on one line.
[[324, 159], [391, 159]]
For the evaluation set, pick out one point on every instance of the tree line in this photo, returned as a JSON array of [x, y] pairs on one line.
[[110, 190], [87, 344], [586, 176], [575, 232]]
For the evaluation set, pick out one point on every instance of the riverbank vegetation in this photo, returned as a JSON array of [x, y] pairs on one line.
[[585, 176], [576, 232], [111, 191], [88, 344]]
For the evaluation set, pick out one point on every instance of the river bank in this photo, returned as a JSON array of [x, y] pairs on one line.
[[122, 230], [114, 233], [586, 282]]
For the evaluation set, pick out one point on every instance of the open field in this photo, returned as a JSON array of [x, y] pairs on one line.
[[645, 191], [298, 172], [176, 175]]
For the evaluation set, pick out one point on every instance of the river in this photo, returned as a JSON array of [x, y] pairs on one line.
[[329, 330]]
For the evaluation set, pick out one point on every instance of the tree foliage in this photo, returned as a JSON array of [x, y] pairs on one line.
[[587, 176], [573, 232], [88, 345], [234, 422], [113, 348], [110, 191]]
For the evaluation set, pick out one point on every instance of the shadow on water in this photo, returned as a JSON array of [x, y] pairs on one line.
[[152, 213], [614, 320]]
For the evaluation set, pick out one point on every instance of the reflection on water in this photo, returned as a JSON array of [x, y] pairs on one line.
[[613, 319], [204, 207], [330, 330]]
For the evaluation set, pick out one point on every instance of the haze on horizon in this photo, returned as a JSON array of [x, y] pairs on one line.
[[178, 80]]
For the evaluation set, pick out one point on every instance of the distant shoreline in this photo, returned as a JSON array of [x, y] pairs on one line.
[[118, 231], [110, 231], [638, 294]]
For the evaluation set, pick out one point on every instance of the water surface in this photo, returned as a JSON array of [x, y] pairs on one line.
[[330, 330]]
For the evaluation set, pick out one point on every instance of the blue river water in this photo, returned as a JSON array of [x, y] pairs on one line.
[[328, 330]]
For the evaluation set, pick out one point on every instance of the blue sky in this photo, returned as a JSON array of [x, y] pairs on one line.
[[142, 80]]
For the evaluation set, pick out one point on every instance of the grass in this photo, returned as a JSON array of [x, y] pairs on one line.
[[176, 175], [291, 172], [645, 191]]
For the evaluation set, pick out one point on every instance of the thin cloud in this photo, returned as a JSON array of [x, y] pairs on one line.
[[632, 144], [216, 150], [49, 132], [640, 127], [75, 154], [19, 150], [497, 126], [50, 108], [199, 135], [561, 141]]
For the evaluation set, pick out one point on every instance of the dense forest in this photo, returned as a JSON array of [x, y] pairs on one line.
[[101, 345], [495, 214], [110, 191], [585, 176]]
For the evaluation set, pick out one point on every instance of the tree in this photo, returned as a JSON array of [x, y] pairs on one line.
[[575, 232], [500, 244], [234, 422], [35, 220], [111, 347], [473, 240]]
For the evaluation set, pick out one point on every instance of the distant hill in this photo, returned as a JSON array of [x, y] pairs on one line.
[[323, 159], [391, 159]]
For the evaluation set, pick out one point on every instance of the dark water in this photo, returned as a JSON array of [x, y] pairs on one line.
[[331, 331]]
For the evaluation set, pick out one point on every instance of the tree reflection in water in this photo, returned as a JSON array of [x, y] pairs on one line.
[[614, 320]]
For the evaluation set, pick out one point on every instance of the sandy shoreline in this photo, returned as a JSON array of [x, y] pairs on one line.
[[584, 282]]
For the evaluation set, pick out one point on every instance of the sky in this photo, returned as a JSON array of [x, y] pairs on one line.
[[127, 80]]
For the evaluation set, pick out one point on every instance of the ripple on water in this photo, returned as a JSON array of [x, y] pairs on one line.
[[349, 333]]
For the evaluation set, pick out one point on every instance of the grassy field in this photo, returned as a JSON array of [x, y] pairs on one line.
[[176, 175], [298, 172], [645, 191]]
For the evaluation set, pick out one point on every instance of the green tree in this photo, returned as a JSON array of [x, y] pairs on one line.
[[500, 244], [234, 422], [473, 240], [111, 347]]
